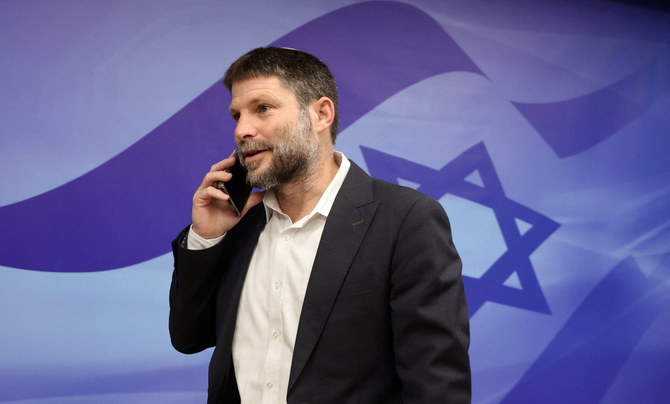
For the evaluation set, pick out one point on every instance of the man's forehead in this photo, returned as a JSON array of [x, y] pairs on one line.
[[258, 82], [253, 88]]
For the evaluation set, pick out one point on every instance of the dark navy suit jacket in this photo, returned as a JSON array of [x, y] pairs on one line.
[[384, 318]]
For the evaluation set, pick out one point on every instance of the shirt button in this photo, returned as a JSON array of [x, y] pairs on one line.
[[275, 334], [269, 385], [287, 238], [277, 285]]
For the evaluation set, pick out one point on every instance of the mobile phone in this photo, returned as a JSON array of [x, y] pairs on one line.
[[237, 187]]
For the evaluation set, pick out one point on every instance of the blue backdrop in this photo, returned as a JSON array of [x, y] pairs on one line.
[[541, 126]]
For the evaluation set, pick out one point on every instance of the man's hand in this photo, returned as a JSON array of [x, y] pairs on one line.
[[212, 215]]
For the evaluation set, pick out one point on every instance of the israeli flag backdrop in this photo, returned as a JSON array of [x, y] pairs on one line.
[[543, 127]]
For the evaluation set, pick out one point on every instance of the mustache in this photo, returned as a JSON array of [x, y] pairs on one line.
[[252, 146]]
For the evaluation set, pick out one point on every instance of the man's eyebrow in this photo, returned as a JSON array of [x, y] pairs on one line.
[[253, 101]]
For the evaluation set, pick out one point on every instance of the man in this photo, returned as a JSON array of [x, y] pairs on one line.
[[337, 288]]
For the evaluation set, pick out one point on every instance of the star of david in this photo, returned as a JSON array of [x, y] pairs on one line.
[[452, 179]]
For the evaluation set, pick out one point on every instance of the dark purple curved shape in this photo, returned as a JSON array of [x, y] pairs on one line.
[[597, 341], [128, 209], [577, 124]]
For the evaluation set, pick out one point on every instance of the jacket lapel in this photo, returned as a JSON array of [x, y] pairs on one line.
[[245, 237], [345, 229]]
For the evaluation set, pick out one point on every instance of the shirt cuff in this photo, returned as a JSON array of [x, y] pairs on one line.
[[195, 242]]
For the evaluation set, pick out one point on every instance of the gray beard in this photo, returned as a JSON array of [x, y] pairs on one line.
[[294, 155]]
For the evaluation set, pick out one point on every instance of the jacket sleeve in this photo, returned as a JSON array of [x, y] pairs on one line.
[[193, 293], [428, 309]]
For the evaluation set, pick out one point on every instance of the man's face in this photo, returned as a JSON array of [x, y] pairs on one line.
[[274, 135]]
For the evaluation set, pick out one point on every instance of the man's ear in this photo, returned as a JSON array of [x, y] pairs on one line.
[[325, 113]]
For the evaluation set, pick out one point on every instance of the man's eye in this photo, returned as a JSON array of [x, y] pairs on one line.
[[236, 117], [263, 108]]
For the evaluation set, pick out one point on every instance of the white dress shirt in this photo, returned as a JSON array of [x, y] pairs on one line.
[[273, 294]]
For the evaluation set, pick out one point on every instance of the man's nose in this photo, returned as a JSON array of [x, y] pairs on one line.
[[245, 129]]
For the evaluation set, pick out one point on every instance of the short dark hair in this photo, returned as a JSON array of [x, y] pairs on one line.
[[305, 75]]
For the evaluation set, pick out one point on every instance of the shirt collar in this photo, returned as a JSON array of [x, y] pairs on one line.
[[327, 198]]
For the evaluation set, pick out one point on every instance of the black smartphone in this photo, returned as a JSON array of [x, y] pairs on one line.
[[237, 187]]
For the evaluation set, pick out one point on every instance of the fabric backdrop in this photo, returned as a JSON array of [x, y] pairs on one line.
[[541, 126]]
